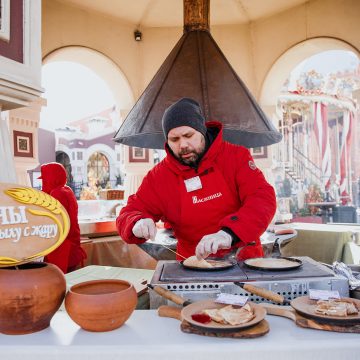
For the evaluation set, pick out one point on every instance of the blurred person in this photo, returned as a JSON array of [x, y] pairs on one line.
[[69, 255], [208, 190]]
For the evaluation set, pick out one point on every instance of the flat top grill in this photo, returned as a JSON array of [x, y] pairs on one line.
[[198, 285], [172, 271], [309, 268]]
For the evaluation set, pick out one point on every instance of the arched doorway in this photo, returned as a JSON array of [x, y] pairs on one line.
[[63, 158], [104, 67], [98, 170], [317, 161], [283, 66], [81, 135]]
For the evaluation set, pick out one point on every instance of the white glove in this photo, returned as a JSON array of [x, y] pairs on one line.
[[211, 243], [145, 228]]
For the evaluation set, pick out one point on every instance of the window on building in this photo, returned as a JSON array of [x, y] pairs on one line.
[[98, 169], [79, 155]]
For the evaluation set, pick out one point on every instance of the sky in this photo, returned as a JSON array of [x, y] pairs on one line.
[[330, 62], [73, 91]]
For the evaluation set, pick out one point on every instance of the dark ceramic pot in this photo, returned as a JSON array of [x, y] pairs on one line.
[[30, 295]]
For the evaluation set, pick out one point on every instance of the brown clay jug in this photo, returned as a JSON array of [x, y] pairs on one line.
[[30, 295]]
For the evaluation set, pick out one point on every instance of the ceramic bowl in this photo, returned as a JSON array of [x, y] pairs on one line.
[[101, 305]]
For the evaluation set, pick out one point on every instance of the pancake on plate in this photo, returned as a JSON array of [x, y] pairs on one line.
[[231, 315], [335, 307]]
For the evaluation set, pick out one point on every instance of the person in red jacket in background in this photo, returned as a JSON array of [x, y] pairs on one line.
[[69, 254], [208, 190]]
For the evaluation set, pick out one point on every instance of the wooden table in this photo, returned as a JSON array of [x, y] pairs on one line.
[[326, 208], [113, 251], [138, 277], [322, 242]]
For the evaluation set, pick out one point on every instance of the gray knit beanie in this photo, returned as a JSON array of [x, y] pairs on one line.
[[185, 112]]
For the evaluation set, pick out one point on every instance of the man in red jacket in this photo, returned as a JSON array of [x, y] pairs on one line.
[[69, 254], [208, 190]]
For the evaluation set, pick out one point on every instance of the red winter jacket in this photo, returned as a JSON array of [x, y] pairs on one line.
[[234, 195], [69, 254]]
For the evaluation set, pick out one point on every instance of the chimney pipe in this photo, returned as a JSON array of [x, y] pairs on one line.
[[196, 15]]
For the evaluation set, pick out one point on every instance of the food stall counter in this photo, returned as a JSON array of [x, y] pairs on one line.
[[147, 336]]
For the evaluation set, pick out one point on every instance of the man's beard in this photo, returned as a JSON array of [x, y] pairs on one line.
[[194, 160]]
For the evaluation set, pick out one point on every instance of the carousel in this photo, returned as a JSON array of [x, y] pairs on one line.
[[316, 167]]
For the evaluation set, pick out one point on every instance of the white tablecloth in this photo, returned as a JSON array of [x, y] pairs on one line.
[[146, 336]]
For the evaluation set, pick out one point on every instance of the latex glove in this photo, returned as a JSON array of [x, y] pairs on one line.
[[211, 243], [145, 228]]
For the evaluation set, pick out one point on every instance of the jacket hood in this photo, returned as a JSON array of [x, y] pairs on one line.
[[53, 175], [214, 148]]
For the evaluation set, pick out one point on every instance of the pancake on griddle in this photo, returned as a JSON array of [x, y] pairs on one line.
[[269, 263], [193, 261]]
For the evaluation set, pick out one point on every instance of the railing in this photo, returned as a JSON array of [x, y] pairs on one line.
[[305, 168], [296, 165]]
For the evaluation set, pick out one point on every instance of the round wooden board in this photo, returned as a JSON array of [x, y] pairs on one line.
[[257, 330], [306, 307], [199, 306]]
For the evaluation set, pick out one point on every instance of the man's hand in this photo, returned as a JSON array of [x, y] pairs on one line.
[[145, 228], [211, 243]]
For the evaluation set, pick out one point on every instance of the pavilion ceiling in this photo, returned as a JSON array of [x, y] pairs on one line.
[[165, 13]]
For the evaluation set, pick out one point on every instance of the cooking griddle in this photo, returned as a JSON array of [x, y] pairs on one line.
[[174, 271], [200, 285], [273, 264], [171, 271], [307, 270]]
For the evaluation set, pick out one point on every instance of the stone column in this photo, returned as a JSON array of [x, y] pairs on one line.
[[8, 173], [23, 127], [137, 162], [266, 163]]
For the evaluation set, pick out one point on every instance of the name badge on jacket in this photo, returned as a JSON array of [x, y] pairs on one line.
[[193, 184]]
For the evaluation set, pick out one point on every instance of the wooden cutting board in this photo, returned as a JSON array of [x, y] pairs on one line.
[[254, 331], [140, 286], [290, 313]]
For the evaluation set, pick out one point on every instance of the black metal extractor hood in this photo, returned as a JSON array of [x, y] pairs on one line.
[[197, 68]]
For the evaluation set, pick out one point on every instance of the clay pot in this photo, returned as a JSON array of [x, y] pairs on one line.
[[101, 305], [30, 295]]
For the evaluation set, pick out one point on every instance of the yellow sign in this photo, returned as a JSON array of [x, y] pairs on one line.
[[32, 224]]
